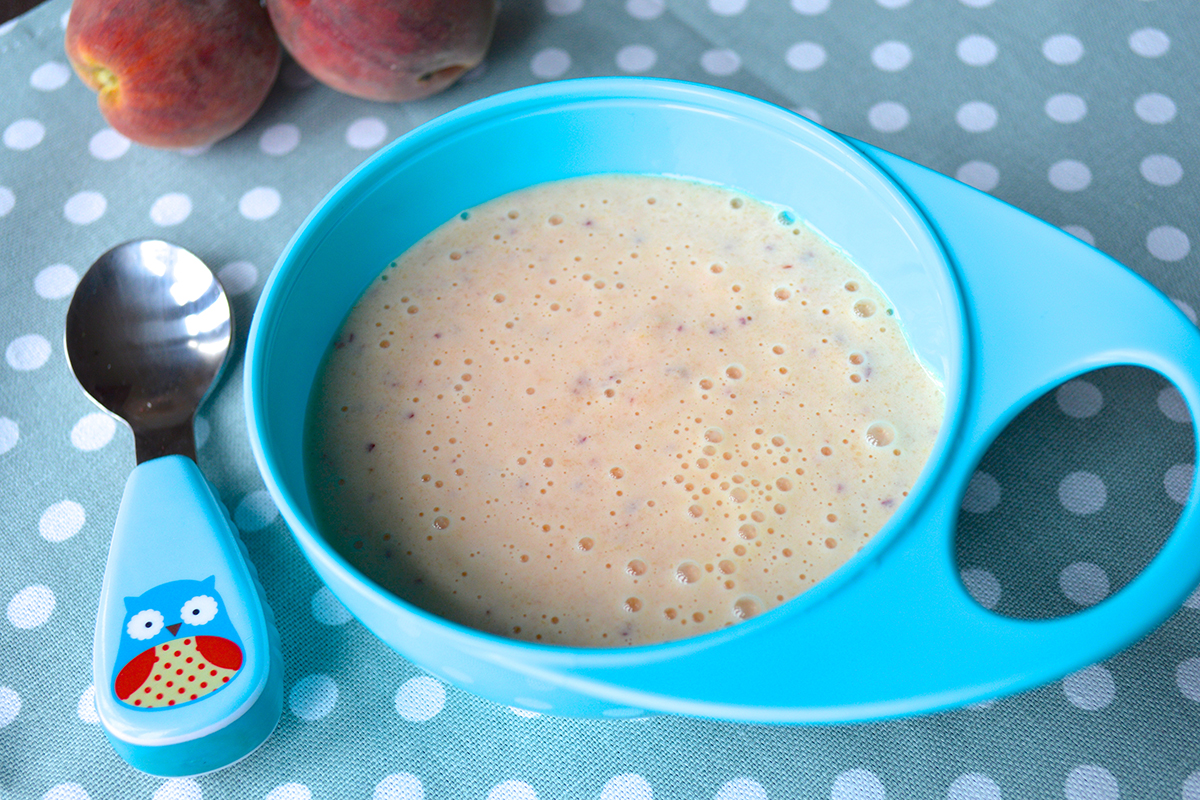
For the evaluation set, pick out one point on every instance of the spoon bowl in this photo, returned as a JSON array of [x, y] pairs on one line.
[[148, 332]]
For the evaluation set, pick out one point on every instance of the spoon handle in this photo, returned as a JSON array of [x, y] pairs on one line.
[[186, 659]]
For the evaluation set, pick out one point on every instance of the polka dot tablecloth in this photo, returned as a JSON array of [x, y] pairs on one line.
[[1082, 114]]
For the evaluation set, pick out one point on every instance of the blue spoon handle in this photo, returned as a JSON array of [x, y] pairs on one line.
[[186, 659]]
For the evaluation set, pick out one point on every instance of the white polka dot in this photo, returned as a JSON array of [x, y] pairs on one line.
[[327, 610], [179, 789], [1187, 310], [192, 152], [10, 705], [289, 791], [512, 790], [892, 4], [1191, 786], [401, 786], [61, 521], [10, 434], [1170, 403], [420, 699], [976, 116], [202, 429], [366, 133], [1178, 482], [279, 140], [982, 586], [108, 145], [727, 8], [259, 203], [54, 75], [171, 209], [720, 62], [1066, 108], [1069, 175], [62, 20], [980, 174], [805, 56], [255, 511], [636, 58], [1081, 233], [891, 56], [629, 786], [810, 8], [1083, 583], [31, 606], [888, 117], [976, 50], [1187, 678], [8, 26], [85, 208], [1161, 170], [1090, 689], [982, 495], [7, 200], [27, 352], [857, 784], [645, 9], [977, 3], [973, 786], [1149, 42], [524, 713], [1090, 782], [561, 8], [238, 277], [55, 282], [93, 431], [741, 789], [1082, 493], [1062, 49], [1079, 399], [809, 113], [1157, 109], [24, 134], [1167, 243], [550, 63], [86, 707], [313, 697], [66, 791]]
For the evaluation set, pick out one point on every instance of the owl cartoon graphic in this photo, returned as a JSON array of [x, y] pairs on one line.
[[177, 646]]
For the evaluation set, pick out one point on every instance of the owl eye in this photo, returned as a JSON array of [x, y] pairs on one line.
[[199, 610], [145, 624]]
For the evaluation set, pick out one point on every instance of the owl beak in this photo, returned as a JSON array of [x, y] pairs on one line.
[[174, 629]]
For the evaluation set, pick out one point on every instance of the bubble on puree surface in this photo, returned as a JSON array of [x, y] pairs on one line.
[[615, 410]]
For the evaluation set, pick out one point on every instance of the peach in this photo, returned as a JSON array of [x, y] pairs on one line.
[[386, 50], [174, 73]]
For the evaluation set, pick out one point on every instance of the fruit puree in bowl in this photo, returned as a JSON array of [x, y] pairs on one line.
[[616, 410]]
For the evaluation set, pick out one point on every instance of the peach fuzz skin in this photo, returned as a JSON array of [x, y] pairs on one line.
[[174, 73], [385, 50]]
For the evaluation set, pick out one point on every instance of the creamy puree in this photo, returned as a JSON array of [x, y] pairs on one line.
[[615, 410]]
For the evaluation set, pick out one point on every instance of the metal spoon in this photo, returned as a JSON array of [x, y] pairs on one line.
[[147, 334]]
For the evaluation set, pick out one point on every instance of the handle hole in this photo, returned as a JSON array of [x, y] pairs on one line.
[[1077, 494]]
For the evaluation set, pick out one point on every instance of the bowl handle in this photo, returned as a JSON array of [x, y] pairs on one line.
[[902, 635]]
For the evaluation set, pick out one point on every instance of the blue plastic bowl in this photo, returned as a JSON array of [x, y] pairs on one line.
[[1000, 305]]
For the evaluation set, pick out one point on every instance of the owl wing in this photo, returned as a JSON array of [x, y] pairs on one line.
[[134, 673], [220, 651]]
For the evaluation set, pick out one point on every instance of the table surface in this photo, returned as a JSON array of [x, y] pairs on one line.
[[1078, 113]]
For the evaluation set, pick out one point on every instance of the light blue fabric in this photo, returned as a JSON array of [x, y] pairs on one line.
[[1079, 114]]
